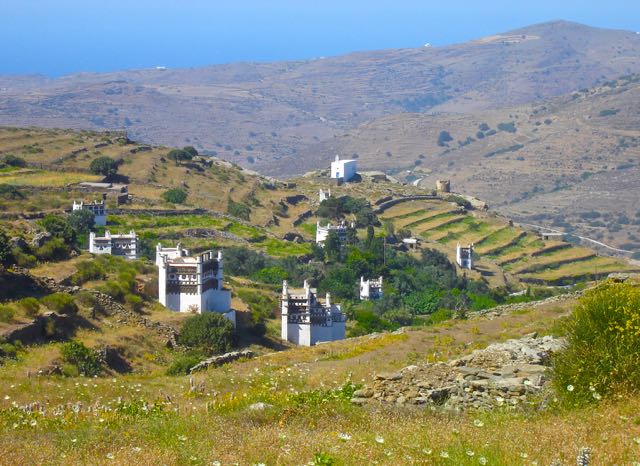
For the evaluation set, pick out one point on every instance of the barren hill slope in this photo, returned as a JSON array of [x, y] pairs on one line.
[[273, 115], [571, 162]]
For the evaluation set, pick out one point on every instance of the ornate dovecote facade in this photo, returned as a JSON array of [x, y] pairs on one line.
[[464, 256], [306, 320], [192, 284], [370, 289], [98, 208], [117, 245]]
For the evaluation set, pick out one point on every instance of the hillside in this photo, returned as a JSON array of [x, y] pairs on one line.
[[570, 163], [273, 116], [65, 312]]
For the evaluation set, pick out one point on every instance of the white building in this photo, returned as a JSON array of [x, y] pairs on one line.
[[117, 245], [324, 195], [343, 170], [307, 321], [370, 289], [170, 253], [323, 231], [464, 256], [99, 210], [192, 284]]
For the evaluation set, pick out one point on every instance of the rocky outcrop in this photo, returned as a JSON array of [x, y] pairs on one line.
[[222, 359], [503, 374]]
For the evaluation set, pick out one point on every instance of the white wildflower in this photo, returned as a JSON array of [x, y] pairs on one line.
[[379, 439], [427, 451], [524, 455], [344, 436], [637, 440], [444, 454], [33, 423], [570, 388], [110, 456], [470, 453], [478, 423], [7, 397], [482, 460]]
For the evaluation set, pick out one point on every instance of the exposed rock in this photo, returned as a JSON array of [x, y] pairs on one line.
[[502, 374], [40, 239], [222, 359]]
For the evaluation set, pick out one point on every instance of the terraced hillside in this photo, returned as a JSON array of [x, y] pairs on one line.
[[505, 255], [58, 160]]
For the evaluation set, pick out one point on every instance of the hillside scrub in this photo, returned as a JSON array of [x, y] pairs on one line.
[[79, 360], [210, 332], [602, 357]]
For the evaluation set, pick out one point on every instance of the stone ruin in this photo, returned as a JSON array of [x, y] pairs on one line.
[[503, 374]]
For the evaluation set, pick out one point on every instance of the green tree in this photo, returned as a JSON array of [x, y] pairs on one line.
[[82, 221], [444, 138], [209, 331], [191, 151], [104, 166], [59, 227], [332, 247], [180, 155], [175, 196], [85, 361]]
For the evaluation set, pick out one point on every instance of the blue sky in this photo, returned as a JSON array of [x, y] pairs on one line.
[[56, 37]]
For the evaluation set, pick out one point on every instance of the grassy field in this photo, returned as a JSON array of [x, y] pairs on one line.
[[151, 418]]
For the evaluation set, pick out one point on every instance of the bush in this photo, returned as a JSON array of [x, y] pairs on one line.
[[134, 302], [444, 138], [5, 249], [59, 227], [175, 196], [61, 303], [183, 362], [89, 270], [238, 209], [603, 334], [11, 192], [6, 313], [104, 166], [211, 332], [13, 161], [22, 259], [30, 306], [54, 250], [509, 127], [83, 359]]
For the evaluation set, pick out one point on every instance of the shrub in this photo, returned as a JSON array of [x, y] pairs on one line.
[[30, 306], [13, 161], [5, 249], [62, 303], [134, 302], [58, 227], [89, 270], [238, 209], [11, 192], [444, 138], [210, 331], [603, 335], [6, 313], [84, 359], [104, 166], [56, 249], [509, 127], [22, 259], [175, 196], [182, 363]]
